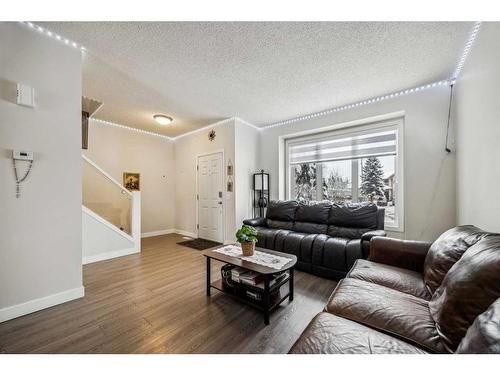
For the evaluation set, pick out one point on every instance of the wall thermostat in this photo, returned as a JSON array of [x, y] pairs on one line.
[[22, 155]]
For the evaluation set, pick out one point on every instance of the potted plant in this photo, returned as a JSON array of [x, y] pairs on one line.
[[247, 237]]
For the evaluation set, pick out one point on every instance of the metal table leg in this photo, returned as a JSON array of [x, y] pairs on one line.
[[266, 298], [209, 271]]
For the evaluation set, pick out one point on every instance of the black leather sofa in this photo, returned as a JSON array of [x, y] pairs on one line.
[[326, 238]]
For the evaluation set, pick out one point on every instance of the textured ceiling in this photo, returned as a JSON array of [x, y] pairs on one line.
[[202, 72]]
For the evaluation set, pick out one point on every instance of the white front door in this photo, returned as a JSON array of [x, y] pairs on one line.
[[210, 202]]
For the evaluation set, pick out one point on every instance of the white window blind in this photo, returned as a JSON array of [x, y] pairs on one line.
[[349, 147]]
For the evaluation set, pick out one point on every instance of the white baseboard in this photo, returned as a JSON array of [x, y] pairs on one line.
[[186, 233], [157, 233], [109, 255], [11, 312]]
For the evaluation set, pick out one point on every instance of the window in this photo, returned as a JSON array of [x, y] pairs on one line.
[[347, 165]]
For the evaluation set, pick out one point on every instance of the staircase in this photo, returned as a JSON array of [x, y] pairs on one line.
[[111, 216]]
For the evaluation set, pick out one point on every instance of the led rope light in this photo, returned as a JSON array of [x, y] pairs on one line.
[[358, 104], [109, 123], [465, 53], [54, 35], [451, 81]]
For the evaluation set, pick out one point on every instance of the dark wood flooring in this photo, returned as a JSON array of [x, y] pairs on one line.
[[155, 302]]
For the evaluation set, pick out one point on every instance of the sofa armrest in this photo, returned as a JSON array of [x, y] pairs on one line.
[[399, 253], [373, 233], [256, 222]]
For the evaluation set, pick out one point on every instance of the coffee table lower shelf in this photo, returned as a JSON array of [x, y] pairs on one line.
[[218, 285], [262, 307]]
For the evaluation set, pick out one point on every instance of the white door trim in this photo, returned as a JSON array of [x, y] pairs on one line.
[[219, 151]]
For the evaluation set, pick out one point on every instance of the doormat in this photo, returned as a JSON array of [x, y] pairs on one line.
[[199, 244]]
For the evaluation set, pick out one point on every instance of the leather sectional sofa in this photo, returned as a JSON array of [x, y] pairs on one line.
[[326, 238], [415, 297]]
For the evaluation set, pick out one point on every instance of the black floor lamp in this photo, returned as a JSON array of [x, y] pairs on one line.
[[260, 193]]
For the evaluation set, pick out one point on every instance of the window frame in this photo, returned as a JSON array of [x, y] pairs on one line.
[[396, 124]]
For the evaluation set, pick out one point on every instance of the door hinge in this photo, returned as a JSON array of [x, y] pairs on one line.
[[197, 226], [197, 167], [197, 197]]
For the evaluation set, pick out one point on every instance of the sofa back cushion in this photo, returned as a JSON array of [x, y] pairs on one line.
[[281, 210], [446, 251], [471, 285], [312, 218], [313, 213], [483, 336], [354, 215]]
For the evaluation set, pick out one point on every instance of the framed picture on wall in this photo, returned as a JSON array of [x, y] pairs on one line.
[[132, 181]]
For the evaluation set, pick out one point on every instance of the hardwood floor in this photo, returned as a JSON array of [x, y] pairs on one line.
[[155, 302]]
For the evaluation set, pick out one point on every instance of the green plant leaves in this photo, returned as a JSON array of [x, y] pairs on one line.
[[246, 233]]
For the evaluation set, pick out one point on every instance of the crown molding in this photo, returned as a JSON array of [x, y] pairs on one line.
[[247, 123], [206, 127]]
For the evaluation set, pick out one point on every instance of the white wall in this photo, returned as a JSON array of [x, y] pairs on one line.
[[40, 238], [186, 150], [477, 120], [247, 148], [100, 241], [117, 150], [429, 172]]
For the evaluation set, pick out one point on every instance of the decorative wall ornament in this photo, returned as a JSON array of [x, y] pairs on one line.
[[132, 181], [211, 135]]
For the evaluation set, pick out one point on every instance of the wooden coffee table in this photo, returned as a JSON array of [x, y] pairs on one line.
[[266, 307]]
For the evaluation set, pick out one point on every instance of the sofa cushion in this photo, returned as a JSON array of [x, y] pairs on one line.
[[279, 240], [279, 224], [313, 213], [388, 310], [401, 279], [468, 289], [281, 210], [329, 252], [446, 251], [331, 334], [266, 237], [292, 243], [483, 336], [306, 227], [354, 215], [335, 231]]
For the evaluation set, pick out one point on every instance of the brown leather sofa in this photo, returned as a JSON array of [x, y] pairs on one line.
[[415, 297]]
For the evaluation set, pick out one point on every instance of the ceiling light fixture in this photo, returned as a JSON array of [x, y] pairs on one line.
[[163, 119]]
